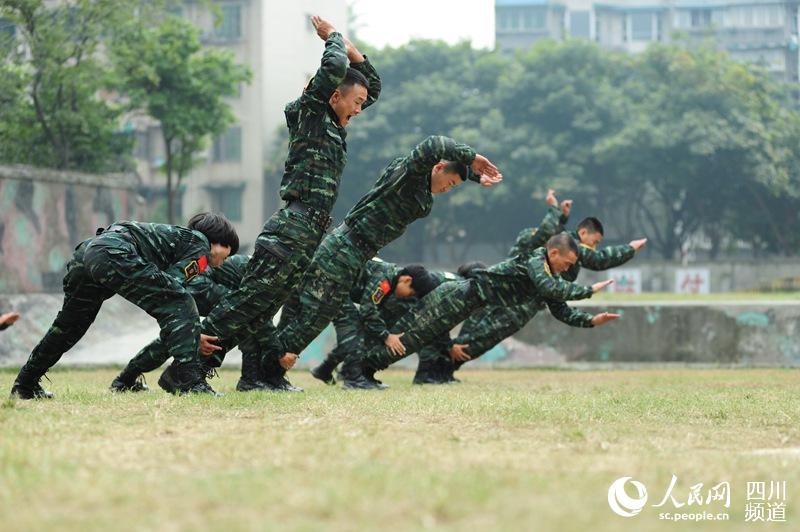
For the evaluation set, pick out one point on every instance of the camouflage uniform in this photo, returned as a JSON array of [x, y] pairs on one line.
[[206, 289], [143, 263], [377, 307], [512, 282], [488, 327], [313, 169], [401, 195]]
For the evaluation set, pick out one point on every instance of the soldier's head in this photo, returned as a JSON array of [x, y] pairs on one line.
[[447, 174], [590, 232], [562, 252], [466, 269], [413, 281], [220, 234], [349, 96]]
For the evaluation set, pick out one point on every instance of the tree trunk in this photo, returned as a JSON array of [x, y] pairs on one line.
[[170, 188]]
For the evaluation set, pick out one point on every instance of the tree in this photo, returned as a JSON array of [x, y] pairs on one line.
[[66, 119], [165, 71]]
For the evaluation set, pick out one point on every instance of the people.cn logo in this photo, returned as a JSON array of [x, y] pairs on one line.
[[621, 503]]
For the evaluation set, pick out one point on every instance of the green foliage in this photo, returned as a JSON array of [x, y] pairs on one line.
[[166, 72], [58, 111], [672, 144]]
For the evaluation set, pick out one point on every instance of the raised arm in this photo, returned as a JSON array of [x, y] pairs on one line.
[[571, 316], [333, 67], [360, 62]]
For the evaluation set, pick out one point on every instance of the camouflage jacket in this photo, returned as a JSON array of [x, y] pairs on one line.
[[532, 238], [604, 259], [402, 193], [181, 252], [317, 147], [207, 289], [521, 280], [373, 292]]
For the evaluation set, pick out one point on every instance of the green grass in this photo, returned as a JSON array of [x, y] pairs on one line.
[[505, 450]]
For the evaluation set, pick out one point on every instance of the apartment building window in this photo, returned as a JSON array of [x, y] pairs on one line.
[[642, 27], [230, 25], [228, 146], [580, 24], [701, 18], [227, 199], [514, 20]]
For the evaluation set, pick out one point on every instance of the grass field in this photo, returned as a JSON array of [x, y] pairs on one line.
[[504, 450]]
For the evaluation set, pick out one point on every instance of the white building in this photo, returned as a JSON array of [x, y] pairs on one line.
[[760, 31], [276, 40]]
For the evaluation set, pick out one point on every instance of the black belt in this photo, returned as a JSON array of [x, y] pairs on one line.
[[317, 217], [362, 244]]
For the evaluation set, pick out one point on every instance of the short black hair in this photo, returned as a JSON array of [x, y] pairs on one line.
[[354, 77], [563, 242], [465, 270], [592, 225], [454, 167], [421, 280], [217, 228]]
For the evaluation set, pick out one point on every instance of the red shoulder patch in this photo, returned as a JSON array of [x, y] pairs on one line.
[[386, 286], [380, 291], [202, 262]]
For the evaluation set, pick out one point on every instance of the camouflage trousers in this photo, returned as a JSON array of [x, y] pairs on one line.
[[154, 354], [282, 253], [319, 298], [110, 264], [434, 316], [484, 329], [349, 334]]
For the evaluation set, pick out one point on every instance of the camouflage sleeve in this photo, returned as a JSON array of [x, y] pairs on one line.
[[435, 148], [330, 73], [607, 258], [551, 286], [530, 239], [566, 314], [371, 318], [192, 262], [480, 339], [489, 326], [371, 74], [205, 291]]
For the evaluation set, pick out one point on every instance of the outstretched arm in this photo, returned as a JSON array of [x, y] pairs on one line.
[[609, 257], [551, 286]]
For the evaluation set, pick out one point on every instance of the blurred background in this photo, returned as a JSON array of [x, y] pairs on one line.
[[676, 120]]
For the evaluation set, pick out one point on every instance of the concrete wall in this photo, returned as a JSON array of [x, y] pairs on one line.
[[44, 214], [747, 334]]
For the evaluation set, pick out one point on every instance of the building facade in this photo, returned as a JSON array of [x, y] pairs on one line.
[[758, 31]]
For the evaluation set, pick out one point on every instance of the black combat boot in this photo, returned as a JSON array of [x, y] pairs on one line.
[[446, 367], [427, 372], [324, 371], [130, 380], [250, 381], [274, 376], [357, 376], [26, 385], [189, 377]]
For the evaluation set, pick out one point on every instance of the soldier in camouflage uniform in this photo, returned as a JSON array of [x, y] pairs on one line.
[[402, 194], [383, 292], [142, 262], [206, 289], [489, 326], [512, 282], [313, 169]]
